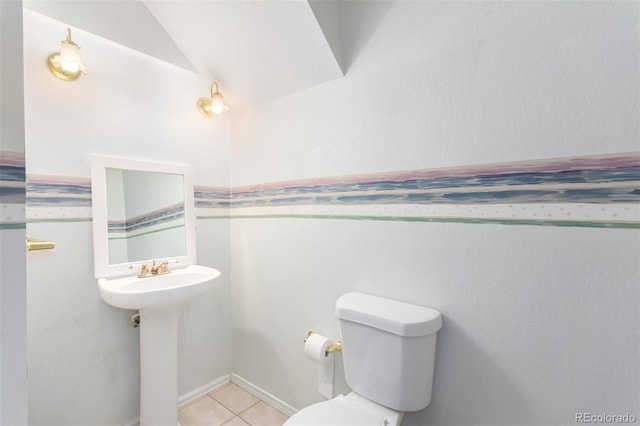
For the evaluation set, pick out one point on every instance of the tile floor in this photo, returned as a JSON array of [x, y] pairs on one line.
[[230, 406]]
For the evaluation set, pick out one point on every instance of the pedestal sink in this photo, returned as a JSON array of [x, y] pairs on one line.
[[159, 299]]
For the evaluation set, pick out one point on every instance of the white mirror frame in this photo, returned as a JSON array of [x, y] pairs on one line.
[[100, 222]]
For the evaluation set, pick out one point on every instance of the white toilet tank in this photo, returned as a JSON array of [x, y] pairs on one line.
[[388, 349]]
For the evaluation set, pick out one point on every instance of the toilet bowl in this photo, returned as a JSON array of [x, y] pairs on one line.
[[388, 350], [346, 410]]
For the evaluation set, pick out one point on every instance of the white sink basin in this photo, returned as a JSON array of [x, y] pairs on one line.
[[157, 291], [159, 299]]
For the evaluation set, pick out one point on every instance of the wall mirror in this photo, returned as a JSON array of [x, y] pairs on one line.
[[142, 211]]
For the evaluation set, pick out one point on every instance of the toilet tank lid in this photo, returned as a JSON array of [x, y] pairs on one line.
[[404, 319]]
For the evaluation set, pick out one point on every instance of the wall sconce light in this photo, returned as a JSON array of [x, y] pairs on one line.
[[214, 105], [67, 64]]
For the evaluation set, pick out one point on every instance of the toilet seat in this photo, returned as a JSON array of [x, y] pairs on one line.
[[349, 410]]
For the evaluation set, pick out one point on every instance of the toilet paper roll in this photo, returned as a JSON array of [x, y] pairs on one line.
[[315, 348]]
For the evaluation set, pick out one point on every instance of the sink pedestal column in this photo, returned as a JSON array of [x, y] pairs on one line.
[[158, 366], [159, 300]]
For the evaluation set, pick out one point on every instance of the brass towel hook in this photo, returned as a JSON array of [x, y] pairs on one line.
[[33, 244]]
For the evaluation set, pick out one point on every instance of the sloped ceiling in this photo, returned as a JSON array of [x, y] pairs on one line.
[[256, 50]]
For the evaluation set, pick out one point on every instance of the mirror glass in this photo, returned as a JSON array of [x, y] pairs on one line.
[[141, 212]]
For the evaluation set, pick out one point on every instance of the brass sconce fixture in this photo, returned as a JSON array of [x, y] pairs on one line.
[[67, 64], [214, 105]]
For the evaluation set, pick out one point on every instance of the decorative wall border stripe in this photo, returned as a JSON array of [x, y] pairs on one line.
[[568, 223], [212, 196], [61, 199], [59, 191], [553, 165], [144, 232], [12, 190], [167, 216], [592, 191], [565, 214], [601, 179]]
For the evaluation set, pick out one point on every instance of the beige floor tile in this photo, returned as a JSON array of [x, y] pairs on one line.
[[263, 414], [234, 398], [204, 412], [236, 421]]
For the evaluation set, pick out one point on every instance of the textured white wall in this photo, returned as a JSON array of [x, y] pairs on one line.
[[539, 322], [13, 368], [83, 358], [455, 83]]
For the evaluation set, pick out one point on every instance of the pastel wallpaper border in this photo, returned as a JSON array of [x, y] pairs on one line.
[[601, 179], [12, 190], [168, 216], [588, 191], [164, 219]]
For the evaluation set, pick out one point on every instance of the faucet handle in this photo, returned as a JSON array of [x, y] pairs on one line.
[[160, 269], [163, 268], [144, 271]]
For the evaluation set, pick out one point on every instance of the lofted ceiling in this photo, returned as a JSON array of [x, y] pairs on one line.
[[257, 50]]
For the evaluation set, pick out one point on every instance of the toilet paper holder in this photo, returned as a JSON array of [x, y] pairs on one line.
[[336, 347]]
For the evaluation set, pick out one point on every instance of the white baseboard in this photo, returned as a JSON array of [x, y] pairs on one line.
[[263, 395], [189, 397]]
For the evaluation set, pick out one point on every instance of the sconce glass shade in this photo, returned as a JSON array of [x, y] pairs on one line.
[[214, 105], [67, 64]]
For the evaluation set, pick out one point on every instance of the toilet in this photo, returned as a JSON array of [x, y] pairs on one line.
[[388, 349]]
